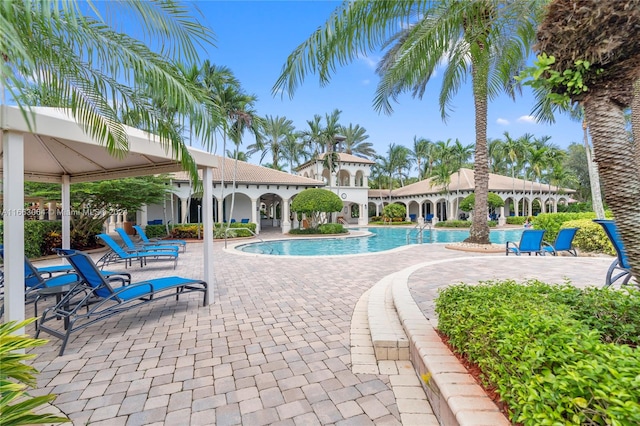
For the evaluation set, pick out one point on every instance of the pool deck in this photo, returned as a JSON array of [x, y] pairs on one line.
[[286, 341]]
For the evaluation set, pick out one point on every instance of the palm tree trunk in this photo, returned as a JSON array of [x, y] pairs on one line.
[[594, 176], [617, 169], [635, 121], [479, 232]]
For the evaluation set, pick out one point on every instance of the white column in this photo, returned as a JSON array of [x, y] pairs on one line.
[[207, 240], [286, 223], [13, 190], [363, 216], [220, 211], [255, 214], [41, 208], [143, 216], [52, 210], [66, 212], [184, 207]]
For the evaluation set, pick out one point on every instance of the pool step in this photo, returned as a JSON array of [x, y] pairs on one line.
[[387, 334]]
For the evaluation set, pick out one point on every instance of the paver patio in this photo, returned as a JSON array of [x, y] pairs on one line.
[[273, 348]]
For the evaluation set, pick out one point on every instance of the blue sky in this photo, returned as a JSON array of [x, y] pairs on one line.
[[254, 39]]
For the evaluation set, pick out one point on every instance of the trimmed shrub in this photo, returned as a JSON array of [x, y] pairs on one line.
[[395, 211], [551, 222], [516, 220], [590, 237], [461, 224], [493, 200], [332, 228], [546, 351]]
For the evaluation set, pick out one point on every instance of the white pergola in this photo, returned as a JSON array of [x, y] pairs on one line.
[[56, 149]]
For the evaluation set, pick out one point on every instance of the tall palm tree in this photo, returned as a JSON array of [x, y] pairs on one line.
[[313, 138], [275, 132], [45, 45], [497, 163], [225, 91], [331, 130], [293, 149], [420, 153], [512, 150], [355, 141], [399, 158], [489, 39], [442, 176]]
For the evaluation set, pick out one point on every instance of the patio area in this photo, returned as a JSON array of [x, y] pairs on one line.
[[273, 348]]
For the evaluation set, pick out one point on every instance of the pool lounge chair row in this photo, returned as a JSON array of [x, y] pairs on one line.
[[95, 296], [532, 242], [131, 252]]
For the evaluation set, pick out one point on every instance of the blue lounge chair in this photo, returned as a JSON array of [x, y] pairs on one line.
[[244, 220], [102, 299], [620, 269], [118, 254], [46, 271], [563, 242], [131, 246], [530, 242], [147, 240]]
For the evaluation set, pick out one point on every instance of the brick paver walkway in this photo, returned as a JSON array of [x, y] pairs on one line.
[[273, 348]]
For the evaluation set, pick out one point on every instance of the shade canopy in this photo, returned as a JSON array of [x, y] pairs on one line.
[[56, 145], [52, 147]]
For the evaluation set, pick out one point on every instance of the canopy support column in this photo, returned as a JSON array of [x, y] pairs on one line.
[[66, 212], [207, 240], [13, 191]]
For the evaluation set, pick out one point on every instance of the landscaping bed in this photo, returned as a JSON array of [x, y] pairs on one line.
[[554, 354]]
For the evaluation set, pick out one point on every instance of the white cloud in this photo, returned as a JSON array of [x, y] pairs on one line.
[[366, 82], [370, 61], [502, 121], [527, 119]]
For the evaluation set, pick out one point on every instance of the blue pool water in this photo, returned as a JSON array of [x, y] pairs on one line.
[[381, 240]]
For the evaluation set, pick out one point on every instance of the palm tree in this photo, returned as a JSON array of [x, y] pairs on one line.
[[226, 93], [313, 138], [399, 159], [419, 153], [497, 163], [293, 149], [489, 40], [46, 47], [355, 141], [512, 150], [331, 130], [442, 176], [275, 132]]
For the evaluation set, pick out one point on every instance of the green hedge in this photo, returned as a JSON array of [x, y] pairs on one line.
[[190, 230], [547, 349], [516, 220], [552, 222], [40, 236], [590, 236], [461, 224]]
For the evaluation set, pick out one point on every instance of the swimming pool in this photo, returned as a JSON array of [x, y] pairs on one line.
[[381, 240]]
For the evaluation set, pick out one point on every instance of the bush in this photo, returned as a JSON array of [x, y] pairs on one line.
[[156, 231], [42, 237], [16, 376], [493, 200], [394, 211], [590, 237], [551, 222], [332, 228], [461, 224], [516, 220], [544, 350]]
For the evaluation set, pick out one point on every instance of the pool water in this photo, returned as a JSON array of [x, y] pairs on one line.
[[381, 240]]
